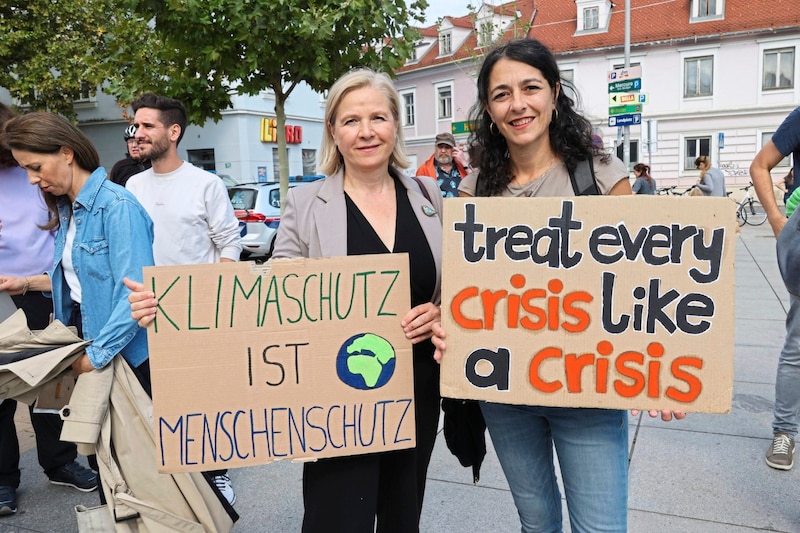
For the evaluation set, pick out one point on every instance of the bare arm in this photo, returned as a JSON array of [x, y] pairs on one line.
[[764, 162]]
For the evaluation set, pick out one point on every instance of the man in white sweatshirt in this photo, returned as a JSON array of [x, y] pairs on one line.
[[192, 215]]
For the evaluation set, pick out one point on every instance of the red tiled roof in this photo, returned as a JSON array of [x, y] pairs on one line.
[[652, 21]]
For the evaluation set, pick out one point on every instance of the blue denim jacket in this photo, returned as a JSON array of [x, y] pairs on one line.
[[113, 239]]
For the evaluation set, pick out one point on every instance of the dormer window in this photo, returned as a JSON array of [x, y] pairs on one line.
[[445, 43], [703, 10], [591, 18], [485, 37]]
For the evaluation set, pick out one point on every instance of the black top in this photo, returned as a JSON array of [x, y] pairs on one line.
[[409, 237], [125, 168]]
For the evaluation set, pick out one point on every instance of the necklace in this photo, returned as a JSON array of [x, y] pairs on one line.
[[550, 166]]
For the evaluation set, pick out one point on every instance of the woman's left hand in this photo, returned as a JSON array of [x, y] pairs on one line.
[[81, 365], [418, 322], [666, 415]]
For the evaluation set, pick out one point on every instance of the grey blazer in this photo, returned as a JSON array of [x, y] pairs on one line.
[[314, 220]]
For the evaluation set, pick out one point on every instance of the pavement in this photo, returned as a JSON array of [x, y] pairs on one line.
[[704, 474]]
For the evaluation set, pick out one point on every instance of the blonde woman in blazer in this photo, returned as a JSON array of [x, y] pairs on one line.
[[366, 206]]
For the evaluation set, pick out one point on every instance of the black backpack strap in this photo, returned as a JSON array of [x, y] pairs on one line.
[[423, 189], [583, 180]]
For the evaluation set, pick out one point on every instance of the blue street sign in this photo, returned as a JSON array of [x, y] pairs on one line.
[[625, 120]]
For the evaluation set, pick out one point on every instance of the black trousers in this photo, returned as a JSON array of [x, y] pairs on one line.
[[380, 492], [52, 452]]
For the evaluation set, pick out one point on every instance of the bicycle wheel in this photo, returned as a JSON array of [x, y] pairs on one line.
[[755, 213], [741, 215]]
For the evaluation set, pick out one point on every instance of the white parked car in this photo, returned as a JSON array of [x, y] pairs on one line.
[[258, 208]]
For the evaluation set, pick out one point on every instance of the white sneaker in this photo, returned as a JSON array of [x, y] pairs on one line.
[[223, 483]]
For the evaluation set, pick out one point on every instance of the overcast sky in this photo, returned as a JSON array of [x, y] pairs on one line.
[[441, 8]]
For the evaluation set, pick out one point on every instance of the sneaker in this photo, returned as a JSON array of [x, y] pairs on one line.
[[76, 476], [8, 500], [223, 483], [781, 454]]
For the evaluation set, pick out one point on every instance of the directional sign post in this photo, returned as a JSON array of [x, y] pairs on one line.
[[625, 86], [627, 98], [625, 120], [625, 109]]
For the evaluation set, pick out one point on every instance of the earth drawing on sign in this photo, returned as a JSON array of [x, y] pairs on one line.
[[365, 361]]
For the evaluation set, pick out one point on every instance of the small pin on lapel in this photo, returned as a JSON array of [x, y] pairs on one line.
[[429, 211]]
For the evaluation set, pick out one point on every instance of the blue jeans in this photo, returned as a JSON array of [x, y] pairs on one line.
[[592, 448], [787, 382]]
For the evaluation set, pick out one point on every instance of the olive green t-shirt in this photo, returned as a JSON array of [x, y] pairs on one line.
[[555, 182]]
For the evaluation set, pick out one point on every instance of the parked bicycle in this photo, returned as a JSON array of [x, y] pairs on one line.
[[748, 209]]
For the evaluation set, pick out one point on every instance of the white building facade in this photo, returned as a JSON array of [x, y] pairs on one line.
[[719, 75], [240, 145]]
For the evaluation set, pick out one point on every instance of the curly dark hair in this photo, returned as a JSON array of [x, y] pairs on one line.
[[570, 133]]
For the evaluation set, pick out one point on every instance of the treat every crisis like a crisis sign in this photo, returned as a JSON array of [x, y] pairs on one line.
[[292, 359], [611, 302]]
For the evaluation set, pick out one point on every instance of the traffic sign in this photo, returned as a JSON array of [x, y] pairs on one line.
[[625, 109], [625, 120], [625, 86], [626, 73], [627, 98]]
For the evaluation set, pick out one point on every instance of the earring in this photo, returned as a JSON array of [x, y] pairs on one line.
[[495, 131], [555, 115]]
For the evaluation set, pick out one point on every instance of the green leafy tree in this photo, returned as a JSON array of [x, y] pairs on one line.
[[246, 46], [200, 51]]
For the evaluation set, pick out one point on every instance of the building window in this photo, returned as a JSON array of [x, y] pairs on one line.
[[309, 162], [203, 158], [485, 35], [778, 69], [707, 9], [591, 18], [85, 93], [568, 85], [446, 43], [445, 102], [276, 164], [786, 161], [695, 147], [698, 77], [409, 110], [634, 153]]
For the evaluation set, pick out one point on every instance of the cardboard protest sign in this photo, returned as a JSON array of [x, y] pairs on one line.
[[613, 302], [300, 359]]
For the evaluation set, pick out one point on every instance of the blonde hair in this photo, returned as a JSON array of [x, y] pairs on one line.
[[330, 160]]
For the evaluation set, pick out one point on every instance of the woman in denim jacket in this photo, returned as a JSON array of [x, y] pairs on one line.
[[103, 236]]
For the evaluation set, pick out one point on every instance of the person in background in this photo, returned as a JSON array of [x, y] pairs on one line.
[[786, 413], [444, 166], [711, 180], [192, 215], [133, 163], [787, 187], [644, 183], [27, 250], [532, 135], [102, 236], [370, 207]]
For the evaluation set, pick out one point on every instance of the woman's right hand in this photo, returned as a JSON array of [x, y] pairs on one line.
[[143, 303], [438, 341]]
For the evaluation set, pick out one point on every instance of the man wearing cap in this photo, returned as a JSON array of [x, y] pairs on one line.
[[443, 166], [133, 163]]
